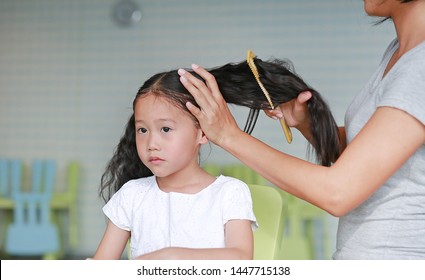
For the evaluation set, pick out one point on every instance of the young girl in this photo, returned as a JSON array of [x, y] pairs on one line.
[[159, 196]]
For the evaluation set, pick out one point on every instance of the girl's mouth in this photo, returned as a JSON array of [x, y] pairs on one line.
[[155, 160]]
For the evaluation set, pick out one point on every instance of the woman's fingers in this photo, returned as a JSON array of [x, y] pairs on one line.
[[208, 77], [197, 88], [299, 110], [206, 94], [194, 110], [304, 96], [214, 115], [295, 111], [274, 114]]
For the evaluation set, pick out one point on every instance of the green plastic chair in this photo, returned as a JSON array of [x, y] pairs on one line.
[[212, 169], [270, 209], [238, 171], [10, 173], [6, 180], [67, 201], [243, 173]]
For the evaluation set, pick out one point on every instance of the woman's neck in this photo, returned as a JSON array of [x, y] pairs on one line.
[[409, 22]]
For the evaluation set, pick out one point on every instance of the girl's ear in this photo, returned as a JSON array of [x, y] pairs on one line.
[[203, 138]]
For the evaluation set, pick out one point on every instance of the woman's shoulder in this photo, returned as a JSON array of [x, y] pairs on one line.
[[410, 68]]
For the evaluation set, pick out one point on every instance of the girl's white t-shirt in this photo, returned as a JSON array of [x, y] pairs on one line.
[[158, 219]]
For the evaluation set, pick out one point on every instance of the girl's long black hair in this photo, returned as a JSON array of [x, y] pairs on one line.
[[238, 86]]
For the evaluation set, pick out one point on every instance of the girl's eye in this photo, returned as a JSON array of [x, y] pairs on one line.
[[166, 129], [142, 130]]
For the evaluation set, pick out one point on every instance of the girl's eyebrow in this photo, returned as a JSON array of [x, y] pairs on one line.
[[167, 120], [160, 120]]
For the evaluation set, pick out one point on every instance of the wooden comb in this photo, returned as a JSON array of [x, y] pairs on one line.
[[250, 60]]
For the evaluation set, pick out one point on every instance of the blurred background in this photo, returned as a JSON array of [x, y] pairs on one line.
[[69, 71]]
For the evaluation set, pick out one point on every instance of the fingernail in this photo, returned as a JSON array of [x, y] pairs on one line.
[[274, 117], [195, 66], [181, 71]]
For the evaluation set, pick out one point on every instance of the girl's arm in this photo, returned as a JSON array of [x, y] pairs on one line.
[[239, 245], [385, 143], [113, 243]]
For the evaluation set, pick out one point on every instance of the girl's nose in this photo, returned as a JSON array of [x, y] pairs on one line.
[[153, 143]]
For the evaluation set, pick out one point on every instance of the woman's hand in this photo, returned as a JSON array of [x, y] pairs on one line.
[[295, 113], [213, 115]]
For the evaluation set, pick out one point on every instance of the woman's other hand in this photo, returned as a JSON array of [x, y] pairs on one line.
[[295, 113]]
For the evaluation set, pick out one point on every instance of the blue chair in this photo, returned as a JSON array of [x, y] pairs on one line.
[[32, 233]]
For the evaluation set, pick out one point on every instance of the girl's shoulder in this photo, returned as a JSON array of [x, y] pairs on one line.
[[222, 179], [229, 184], [138, 185], [227, 180]]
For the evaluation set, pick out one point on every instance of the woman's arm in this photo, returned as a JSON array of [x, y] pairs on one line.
[[113, 243], [384, 144], [239, 246], [389, 138]]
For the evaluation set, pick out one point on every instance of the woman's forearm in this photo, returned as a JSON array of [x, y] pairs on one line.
[[354, 177], [287, 172]]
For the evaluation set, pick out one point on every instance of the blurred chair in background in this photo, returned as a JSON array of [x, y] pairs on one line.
[[238, 171], [295, 242], [270, 209], [310, 230], [6, 202], [66, 202], [42, 205], [32, 233], [4, 178]]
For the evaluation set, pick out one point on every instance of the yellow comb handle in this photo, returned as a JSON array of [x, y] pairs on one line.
[[250, 60], [286, 130]]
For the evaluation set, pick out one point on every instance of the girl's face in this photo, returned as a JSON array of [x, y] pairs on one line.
[[167, 139]]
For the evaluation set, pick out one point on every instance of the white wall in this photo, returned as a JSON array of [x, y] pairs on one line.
[[68, 74]]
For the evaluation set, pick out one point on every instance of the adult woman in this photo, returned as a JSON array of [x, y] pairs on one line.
[[377, 185]]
